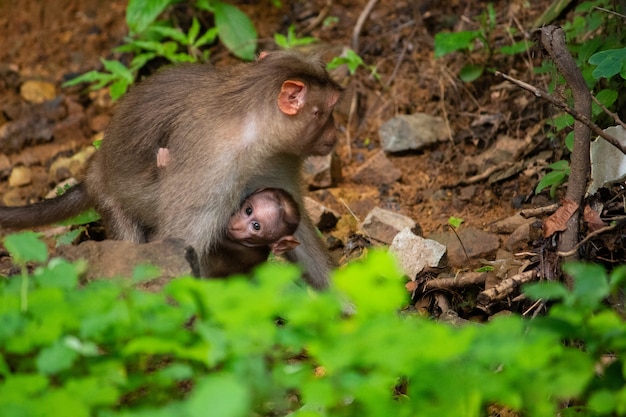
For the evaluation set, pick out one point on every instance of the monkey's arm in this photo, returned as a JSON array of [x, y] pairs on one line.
[[73, 202]]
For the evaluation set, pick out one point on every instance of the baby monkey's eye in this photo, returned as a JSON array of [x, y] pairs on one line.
[[256, 226], [248, 211]]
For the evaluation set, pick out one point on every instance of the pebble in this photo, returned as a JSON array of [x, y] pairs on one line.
[[36, 92], [20, 175]]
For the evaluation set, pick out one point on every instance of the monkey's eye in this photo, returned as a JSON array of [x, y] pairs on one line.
[[316, 111], [256, 226], [249, 211]]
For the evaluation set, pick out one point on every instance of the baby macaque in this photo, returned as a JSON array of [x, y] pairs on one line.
[[265, 222]]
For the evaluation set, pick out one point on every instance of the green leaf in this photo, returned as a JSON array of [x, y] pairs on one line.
[[590, 283], [168, 32], [223, 394], [118, 69], [608, 63], [515, 48], [455, 222], [85, 217], [118, 88], [235, 30], [550, 179], [193, 33], [208, 38], [547, 290], [88, 77], [607, 97], [55, 359], [26, 247], [141, 13], [471, 72], [446, 43]]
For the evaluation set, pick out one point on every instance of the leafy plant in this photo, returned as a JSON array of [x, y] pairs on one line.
[[150, 38], [467, 40], [264, 346], [553, 179], [353, 61], [595, 40], [291, 40]]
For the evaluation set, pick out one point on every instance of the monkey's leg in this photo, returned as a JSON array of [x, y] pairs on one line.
[[119, 225]]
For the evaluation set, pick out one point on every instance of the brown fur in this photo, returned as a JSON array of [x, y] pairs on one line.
[[228, 136]]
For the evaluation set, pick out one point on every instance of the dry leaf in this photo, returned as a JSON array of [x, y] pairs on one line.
[[558, 221], [592, 219], [411, 286]]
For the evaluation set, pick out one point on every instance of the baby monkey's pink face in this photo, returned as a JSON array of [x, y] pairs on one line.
[[258, 222]]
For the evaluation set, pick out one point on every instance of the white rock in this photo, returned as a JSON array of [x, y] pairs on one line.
[[414, 253]]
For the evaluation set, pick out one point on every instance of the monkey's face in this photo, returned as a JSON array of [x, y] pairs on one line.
[[257, 223], [323, 130]]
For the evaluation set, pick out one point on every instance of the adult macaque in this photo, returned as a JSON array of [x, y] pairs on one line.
[[229, 131], [265, 223]]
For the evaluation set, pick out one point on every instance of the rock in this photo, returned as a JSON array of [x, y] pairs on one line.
[[118, 258], [519, 239], [384, 225], [416, 253], [477, 243], [322, 171], [64, 167], [378, 170], [20, 175], [511, 223], [99, 123], [70, 128], [411, 132], [323, 217], [37, 92]]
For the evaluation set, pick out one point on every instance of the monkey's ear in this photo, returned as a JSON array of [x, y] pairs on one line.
[[291, 97], [262, 55], [284, 244]]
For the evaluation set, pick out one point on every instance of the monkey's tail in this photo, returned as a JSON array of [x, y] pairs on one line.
[[71, 203]]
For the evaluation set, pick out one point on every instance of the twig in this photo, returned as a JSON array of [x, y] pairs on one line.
[[527, 213], [320, 17], [466, 280], [505, 288], [577, 115], [553, 41], [586, 239], [359, 24], [609, 112]]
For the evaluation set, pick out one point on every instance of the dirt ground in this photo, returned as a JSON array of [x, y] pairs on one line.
[[55, 41]]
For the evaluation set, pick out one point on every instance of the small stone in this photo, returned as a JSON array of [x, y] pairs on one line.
[[412, 132], [415, 253], [322, 171], [519, 239], [21, 175], [477, 244], [378, 170], [99, 123], [510, 224], [36, 92], [384, 225]]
